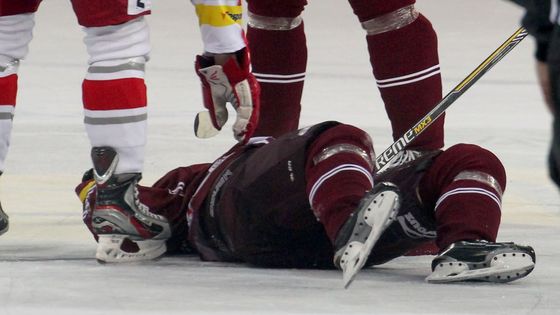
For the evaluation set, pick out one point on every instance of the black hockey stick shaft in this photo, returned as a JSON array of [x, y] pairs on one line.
[[450, 98]]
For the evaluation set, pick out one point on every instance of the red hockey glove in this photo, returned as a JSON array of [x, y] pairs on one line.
[[229, 83]]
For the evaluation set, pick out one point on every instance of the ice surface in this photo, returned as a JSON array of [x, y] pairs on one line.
[[46, 260]]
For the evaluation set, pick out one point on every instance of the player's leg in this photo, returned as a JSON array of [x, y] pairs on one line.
[[115, 109], [341, 192], [403, 53], [278, 48], [554, 71], [464, 186], [16, 26]]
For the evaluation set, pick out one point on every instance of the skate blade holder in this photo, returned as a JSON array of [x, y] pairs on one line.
[[115, 248], [503, 267], [381, 212]]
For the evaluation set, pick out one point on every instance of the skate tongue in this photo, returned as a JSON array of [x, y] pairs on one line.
[[105, 160]]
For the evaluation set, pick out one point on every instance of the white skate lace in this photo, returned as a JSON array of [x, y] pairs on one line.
[[145, 210]]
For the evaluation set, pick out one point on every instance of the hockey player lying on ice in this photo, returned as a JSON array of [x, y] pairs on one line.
[[308, 200]]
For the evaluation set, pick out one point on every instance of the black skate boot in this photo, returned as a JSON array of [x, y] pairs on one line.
[[357, 237], [4, 222], [127, 230], [482, 261]]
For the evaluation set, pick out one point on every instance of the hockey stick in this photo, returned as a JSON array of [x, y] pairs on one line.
[[450, 98]]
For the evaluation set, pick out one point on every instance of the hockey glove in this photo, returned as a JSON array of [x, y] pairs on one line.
[[229, 83]]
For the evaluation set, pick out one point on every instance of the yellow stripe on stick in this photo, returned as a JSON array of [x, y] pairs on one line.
[[489, 59]]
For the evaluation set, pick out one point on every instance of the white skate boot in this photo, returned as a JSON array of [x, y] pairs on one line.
[[357, 237]]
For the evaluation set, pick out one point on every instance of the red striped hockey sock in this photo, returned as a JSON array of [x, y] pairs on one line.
[[8, 86], [127, 93], [8, 93], [116, 116]]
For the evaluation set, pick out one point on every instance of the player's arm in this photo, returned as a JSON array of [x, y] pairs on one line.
[[537, 22], [224, 70]]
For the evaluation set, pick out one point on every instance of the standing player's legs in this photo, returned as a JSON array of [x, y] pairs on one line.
[[114, 92], [403, 53], [115, 116], [278, 48], [16, 26]]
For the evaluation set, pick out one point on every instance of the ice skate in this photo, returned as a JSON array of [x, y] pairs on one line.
[[4, 222], [358, 235], [482, 261], [127, 230]]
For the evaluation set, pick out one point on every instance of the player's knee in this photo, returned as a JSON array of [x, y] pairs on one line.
[[15, 35], [476, 163], [344, 139], [379, 17], [127, 43], [275, 15]]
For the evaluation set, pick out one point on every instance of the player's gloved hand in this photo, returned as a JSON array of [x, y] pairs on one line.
[[231, 83]]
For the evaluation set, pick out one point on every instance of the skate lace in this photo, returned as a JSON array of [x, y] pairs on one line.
[[145, 210]]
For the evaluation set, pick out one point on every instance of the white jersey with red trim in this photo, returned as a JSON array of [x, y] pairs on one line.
[[220, 25]]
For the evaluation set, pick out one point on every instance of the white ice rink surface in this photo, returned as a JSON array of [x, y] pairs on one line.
[[46, 259]]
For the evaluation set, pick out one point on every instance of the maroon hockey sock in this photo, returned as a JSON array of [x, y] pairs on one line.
[[464, 186], [279, 60], [467, 210], [337, 183], [18, 7], [406, 67]]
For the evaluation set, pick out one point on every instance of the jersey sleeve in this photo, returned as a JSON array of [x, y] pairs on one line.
[[221, 25], [538, 20]]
